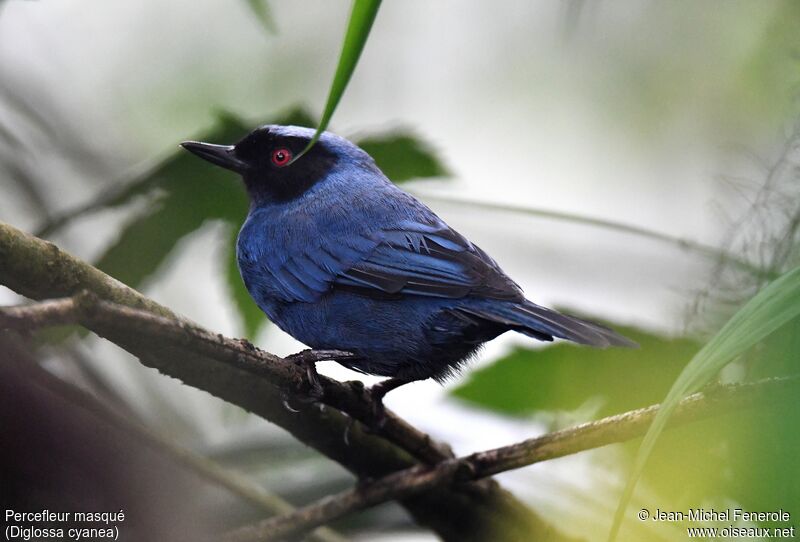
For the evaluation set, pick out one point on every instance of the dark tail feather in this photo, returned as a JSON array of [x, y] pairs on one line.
[[543, 324]]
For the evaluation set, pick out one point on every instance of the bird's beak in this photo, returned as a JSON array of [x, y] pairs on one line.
[[220, 155]]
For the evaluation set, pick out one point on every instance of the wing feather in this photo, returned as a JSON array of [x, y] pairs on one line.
[[428, 260], [411, 257]]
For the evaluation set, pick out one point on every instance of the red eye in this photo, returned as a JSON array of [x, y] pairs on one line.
[[281, 157]]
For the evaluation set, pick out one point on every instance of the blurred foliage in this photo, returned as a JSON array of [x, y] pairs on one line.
[[767, 233], [714, 66], [770, 77], [261, 11], [563, 377], [188, 192], [763, 457], [402, 156], [748, 458], [772, 308]]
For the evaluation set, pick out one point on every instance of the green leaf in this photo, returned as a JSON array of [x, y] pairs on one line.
[[763, 459], [192, 192], [774, 306], [361, 18], [297, 116], [262, 12], [402, 156], [564, 377]]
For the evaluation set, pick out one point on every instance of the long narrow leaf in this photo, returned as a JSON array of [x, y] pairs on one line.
[[361, 18], [775, 305], [262, 12]]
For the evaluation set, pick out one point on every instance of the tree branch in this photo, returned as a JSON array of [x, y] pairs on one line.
[[716, 401], [473, 512]]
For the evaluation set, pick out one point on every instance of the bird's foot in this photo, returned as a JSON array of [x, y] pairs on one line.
[[376, 394], [313, 356], [308, 359], [378, 414]]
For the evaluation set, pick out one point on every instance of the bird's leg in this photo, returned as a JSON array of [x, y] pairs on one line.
[[307, 359], [377, 393]]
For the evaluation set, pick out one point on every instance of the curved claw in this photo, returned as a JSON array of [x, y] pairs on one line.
[[347, 430], [287, 405]]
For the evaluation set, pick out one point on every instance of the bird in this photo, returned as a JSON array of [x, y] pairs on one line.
[[342, 259]]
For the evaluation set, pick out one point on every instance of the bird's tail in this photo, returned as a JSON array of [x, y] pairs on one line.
[[544, 324]]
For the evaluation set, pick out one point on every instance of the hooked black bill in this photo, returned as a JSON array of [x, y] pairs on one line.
[[220, 155]]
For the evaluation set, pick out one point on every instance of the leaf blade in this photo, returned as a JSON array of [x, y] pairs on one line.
[[402, 156], [261, 10], [359, 25], [774, 306], [564, 377]]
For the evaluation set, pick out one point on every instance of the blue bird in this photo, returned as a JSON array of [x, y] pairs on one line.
[[340, 258]]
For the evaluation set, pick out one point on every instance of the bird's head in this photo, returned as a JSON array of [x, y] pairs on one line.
[[268, 160]]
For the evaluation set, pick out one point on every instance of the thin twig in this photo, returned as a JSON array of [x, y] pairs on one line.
[[43, 314], [392, 487], [718, 400]]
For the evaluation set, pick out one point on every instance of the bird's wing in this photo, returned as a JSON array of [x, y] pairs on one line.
[[427, 259], [374, 250], [301, 268], [420, 257]]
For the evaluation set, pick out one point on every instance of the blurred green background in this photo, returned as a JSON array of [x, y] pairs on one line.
[[678, 120]]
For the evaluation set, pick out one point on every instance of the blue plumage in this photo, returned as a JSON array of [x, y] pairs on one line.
[[341, 258]]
